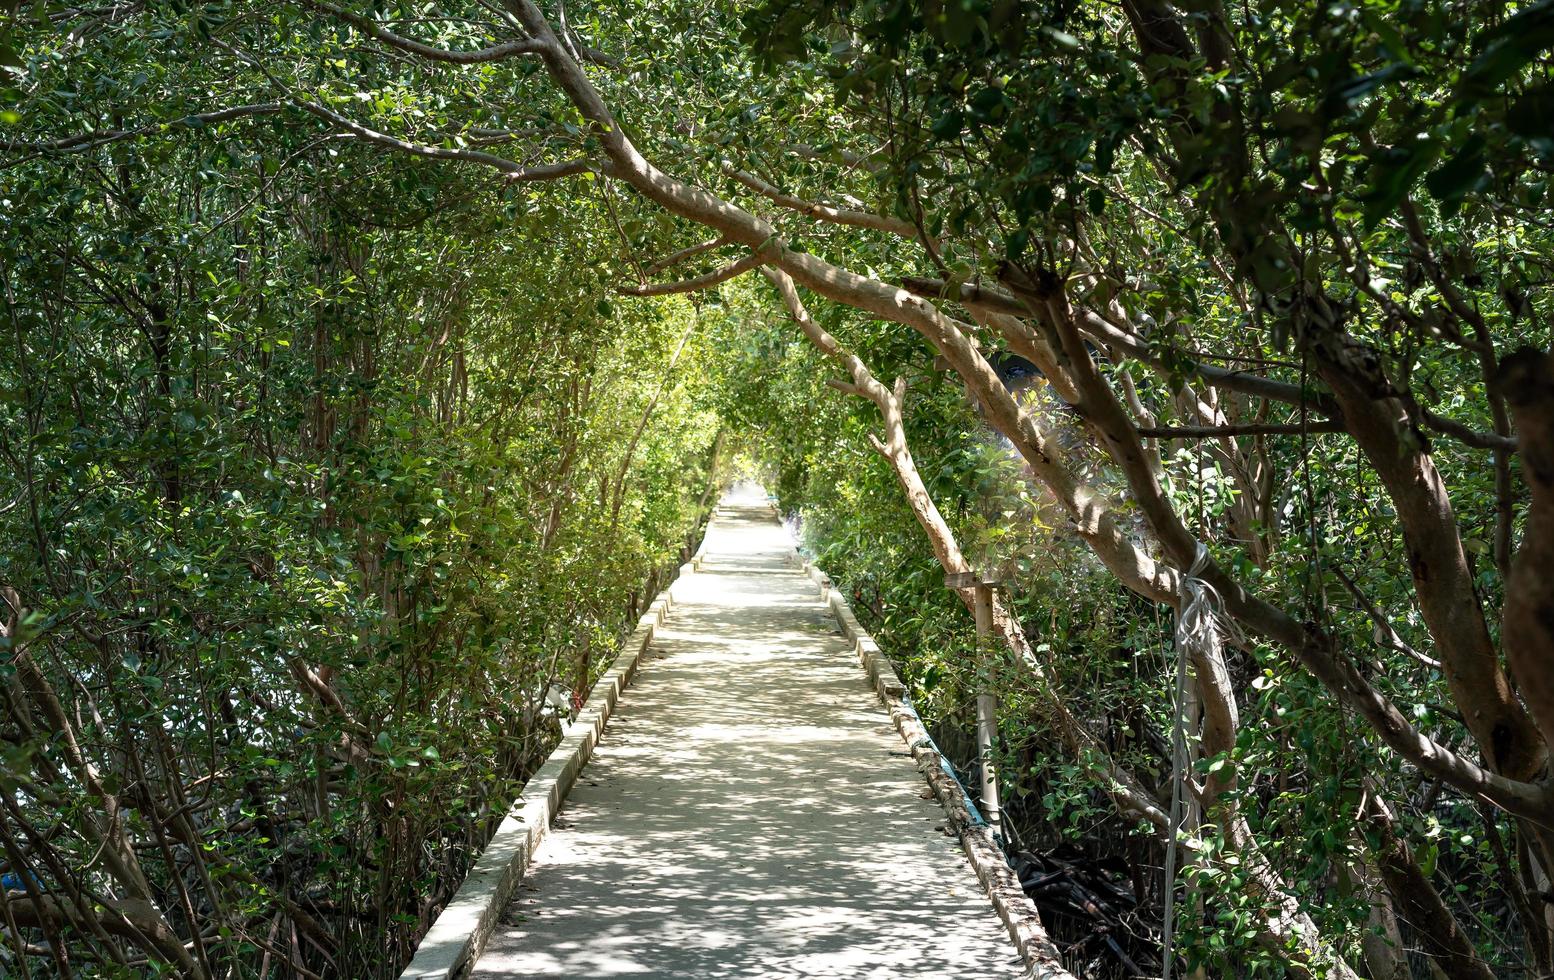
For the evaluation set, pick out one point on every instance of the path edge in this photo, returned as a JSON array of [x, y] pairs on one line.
[[1017, 912], [460, 932]]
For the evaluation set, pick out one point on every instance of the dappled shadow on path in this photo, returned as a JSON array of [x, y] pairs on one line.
[[750, 811]]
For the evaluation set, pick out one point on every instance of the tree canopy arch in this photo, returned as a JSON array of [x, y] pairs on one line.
[[1282, 263]]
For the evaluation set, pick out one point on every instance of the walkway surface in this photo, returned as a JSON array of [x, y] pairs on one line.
[[750, 811]]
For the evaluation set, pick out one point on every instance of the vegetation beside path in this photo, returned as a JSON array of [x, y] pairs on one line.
[[365, 361]]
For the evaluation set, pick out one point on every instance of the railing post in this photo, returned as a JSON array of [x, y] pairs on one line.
[[987, 708], [987, 701]]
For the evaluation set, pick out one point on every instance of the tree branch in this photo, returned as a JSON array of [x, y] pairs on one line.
[[751, 261], [514, 170], [1469, 436], [375, 30], [1124, 788], [864, 161], [1526, 381], [824, 212], [989, 298], [98, 137], [1383, 627], [1247, 429], [552, 171], [675, 258], [1094, 519], [1378, 417], [1312, 646]]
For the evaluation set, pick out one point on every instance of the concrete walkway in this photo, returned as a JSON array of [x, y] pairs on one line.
[[750, 811]]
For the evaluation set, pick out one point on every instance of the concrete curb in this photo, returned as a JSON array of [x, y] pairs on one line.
[[459, 935], [1021, 919]]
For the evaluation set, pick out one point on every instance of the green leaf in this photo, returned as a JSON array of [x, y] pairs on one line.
[[1355, 89], [1464, 173], [1395, 175], [1531, 117], [1062, 39], [949, 125], [1509, 48]]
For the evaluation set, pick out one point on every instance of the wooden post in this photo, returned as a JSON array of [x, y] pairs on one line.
[[987, 702], [582, 670], [987, 709]]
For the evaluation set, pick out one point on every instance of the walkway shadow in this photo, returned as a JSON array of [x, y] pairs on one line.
[[750, 812]]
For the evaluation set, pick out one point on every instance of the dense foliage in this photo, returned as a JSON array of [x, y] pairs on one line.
[[321, 469], [367, 361]]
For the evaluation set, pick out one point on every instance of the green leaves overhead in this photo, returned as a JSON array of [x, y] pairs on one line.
[[330, 446], [1506, 50]]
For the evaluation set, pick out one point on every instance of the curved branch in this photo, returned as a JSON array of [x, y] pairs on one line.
[[1109, 334], [988, 298], [1288, 921], [375, 30], [594, 56], [552, 171], [675, 258], [1094, 519], [1312, 646], [1467, 435], [1246, 429], [1126, 791], [853, 159], [824, 212], [751, 261], [514, 170], [1106, 333], [98, 137]]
